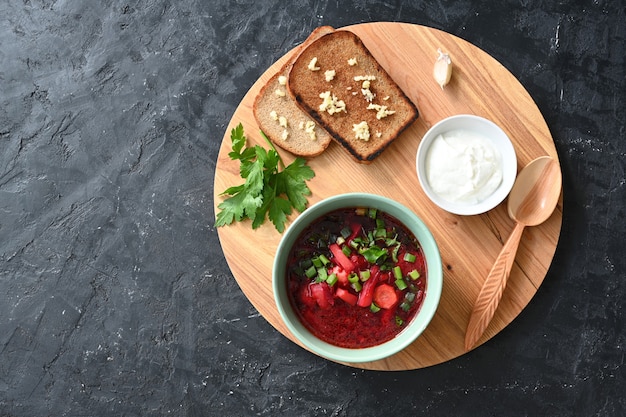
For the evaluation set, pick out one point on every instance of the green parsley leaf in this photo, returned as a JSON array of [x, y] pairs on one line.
[[270, 190], [239, 141], [237, 207], [293, 183], [279, 209]]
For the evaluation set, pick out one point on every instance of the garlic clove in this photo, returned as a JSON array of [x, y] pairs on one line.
[[442, 71]]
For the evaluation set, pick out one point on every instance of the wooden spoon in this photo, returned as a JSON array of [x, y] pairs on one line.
[[532, 200]]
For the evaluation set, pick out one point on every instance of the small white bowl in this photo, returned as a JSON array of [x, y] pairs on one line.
[[499, 141]]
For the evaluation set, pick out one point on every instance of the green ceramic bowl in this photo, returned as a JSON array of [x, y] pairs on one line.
[[434, 280]]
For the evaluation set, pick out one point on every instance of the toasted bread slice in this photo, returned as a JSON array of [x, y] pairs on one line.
[[282, 120], [376, 109]]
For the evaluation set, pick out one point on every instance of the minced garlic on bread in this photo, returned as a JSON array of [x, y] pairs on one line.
[[282, 120], [360, 105]]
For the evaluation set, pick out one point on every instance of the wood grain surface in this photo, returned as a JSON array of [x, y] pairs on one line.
[[469, 244]]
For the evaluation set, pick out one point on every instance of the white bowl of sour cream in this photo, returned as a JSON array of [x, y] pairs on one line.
[[466, 164]]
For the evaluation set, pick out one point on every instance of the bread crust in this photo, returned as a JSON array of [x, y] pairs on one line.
[[298, 141], [332, 51]]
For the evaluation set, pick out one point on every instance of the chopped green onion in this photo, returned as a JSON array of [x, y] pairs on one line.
[[391, 241], [360, 211], [356, 286], [354, 244], [399, 321], [380, 224], [397, 272], [340, 240], [323, 259], [405, 306], [380, 233], [374, 308], [409, 297], [409, 257], [352, 278], [345, 232], [346, 250], [311, 272], [322, 274], [372, 213], [394, 252], [332, 279], [414, 274], [316, 262], [401, 284], [365, 275]]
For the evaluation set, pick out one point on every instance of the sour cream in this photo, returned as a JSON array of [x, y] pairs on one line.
[[463, 167]]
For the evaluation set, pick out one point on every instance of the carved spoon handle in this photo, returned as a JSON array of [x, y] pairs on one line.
[[493, 287]]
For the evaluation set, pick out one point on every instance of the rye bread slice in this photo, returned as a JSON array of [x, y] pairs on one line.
[[274, 103], [338, 51]]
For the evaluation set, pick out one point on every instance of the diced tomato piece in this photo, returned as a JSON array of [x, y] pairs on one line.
[[346, 296], [340, 258], [306, 297], [385, 296], [359, 261], [342, 275], [367, 292], [322, 294]]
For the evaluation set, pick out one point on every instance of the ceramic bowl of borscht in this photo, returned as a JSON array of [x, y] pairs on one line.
[[357, 277]]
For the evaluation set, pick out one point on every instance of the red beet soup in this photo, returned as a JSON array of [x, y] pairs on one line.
[[356, 277]]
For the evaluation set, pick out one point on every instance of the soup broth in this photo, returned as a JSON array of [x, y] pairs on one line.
[[356, 277]]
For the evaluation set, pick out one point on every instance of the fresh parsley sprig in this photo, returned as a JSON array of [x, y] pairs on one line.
[[271, 189]]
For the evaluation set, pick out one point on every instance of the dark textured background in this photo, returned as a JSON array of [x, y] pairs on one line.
[[115, 298]]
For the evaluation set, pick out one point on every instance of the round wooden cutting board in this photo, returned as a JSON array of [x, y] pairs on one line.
[[468, 244]]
